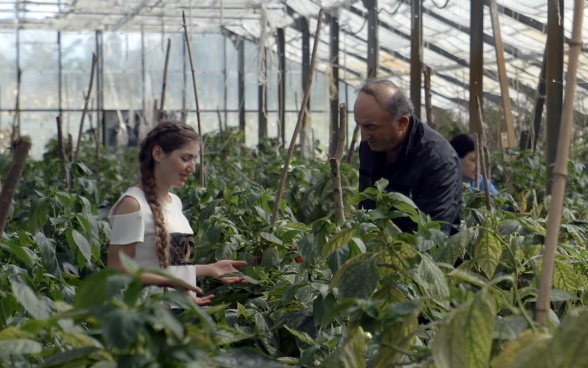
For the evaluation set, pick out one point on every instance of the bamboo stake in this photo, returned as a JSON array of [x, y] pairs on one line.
[[162, 105], [428, 98], [15, 124], [479, 153], [61, 148], [481, 143], [95, 136], [301, 116], [189, 49], [352, 145], [21, 151], [560, 171], [335, 163], [86, 103], [69, 149], [220, 120]]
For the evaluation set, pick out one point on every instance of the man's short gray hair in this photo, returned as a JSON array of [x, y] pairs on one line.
[[397, 105]]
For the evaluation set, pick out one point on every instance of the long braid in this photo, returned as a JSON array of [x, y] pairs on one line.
[[169, 135], [161, 236]]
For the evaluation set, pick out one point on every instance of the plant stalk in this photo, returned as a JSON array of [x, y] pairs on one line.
[[301, 115], [335, 163], [21, 151], [86, 103], [560, 171], [189, 49], [163, 86], [352, 145], [479, 153]]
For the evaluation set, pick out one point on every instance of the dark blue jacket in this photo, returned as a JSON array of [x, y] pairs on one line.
[[427, 170]]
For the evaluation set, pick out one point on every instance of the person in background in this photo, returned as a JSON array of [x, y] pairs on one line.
[[416, 160], [147, 221], [465, 146]]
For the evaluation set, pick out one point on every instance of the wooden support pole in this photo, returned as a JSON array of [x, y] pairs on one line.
[[21, 151], [429, 98], [499, 47], [352, 145], [61, 149], [416, 55], [335, 163], [485, 172], [241, 82], [479, 153], [561, 169], [334, 83], [373, 44], [476, 63], [301, 113], [163, 86], [554, 87], [86, 104], [202, 183], [281, 39]]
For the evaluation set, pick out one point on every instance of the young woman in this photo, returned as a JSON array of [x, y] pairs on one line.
[[147, 221], [465, 146]]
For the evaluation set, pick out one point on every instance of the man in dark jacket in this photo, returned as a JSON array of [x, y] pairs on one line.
[[416, 160]]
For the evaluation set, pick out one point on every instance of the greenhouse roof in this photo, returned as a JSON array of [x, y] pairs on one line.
[[445, 33]]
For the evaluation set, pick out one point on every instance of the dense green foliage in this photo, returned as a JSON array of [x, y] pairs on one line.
[[365, 294]]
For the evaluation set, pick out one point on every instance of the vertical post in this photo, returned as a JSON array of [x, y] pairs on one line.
[[429, 98], [59, 74], [100, 86], [143, 76], [184, 115], [416, 55], [241, 82], [540, 102], [306, 142], [499, 47], [334, 83], [373, 47], [282, 85], [16, 132], [476, 63], [164, 84], [262, 98], [554, 74], [225, 80]]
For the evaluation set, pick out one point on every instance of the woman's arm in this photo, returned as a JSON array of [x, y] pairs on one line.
[[221, 268]]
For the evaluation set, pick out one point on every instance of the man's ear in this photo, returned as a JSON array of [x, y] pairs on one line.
[[403, 122], [157, 153]]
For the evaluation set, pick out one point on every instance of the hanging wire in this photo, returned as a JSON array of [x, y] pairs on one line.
[[440, 7], [393, 11]]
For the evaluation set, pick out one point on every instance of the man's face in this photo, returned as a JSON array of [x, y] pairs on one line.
[[377, 126]]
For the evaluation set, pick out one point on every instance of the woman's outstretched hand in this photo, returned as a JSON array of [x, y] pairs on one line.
[[202, 301], [220, 268]]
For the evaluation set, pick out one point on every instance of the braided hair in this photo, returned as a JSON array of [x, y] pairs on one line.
[[170, 136]]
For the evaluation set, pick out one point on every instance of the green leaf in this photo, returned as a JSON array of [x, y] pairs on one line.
[[349, 355], [20, 346], [77, 241], [33, 304], [566, 278], [270, 258], [337, 241], [465, 337], [357, 279], [47, 248], [271, 238], [38, 214], [432, 281], [25, 255], [516, 347], [487, 252], [303, 336], [62, 358], [398, 336], [245, 358], [121, 328], [268, 338], [14, 333], [571, 340], [92, 291], [455, 247]]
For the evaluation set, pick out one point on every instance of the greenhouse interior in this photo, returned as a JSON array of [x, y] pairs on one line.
[[295, 265]]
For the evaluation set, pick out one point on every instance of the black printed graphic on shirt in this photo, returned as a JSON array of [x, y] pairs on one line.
[[181, 250]]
